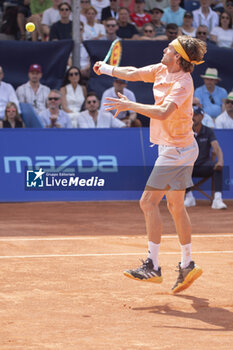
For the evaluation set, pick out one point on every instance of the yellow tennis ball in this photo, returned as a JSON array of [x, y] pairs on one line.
[[30, 27]]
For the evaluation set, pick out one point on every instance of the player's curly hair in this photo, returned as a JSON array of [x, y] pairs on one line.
[[195, 50]]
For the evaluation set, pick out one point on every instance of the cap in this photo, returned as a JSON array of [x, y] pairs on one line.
[[35, 68], [188, 14], [230, 96], [157, 7], [198, 110], [120, 81]]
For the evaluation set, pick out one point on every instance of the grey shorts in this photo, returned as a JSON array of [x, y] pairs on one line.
[[173, 167]]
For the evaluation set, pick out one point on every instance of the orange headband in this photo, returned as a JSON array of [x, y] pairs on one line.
[[179, 49]]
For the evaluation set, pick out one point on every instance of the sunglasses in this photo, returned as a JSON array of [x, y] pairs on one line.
[[91, 101], [148, 31], [200, 33], [54, 98], [228, 101], [11, 110], [172, 33], [64, 9], [225, 17], [111, 25], [211, 99], [73, 74]]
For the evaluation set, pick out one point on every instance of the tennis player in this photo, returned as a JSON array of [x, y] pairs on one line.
[[170, 128]]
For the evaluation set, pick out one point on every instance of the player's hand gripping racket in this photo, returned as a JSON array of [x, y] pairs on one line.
[[114, 53]]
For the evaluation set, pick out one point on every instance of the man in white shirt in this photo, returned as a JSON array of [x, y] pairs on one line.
[[33, 92], [92, 117], [7, 94], [225, 120], [205, 15], [119, 86]]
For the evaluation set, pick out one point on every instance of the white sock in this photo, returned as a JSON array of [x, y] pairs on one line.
[[153, 253], [185, 255], [218, 195], [189, 194]]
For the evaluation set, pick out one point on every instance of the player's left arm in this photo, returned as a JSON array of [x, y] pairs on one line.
[[217, 150], [160, 112]]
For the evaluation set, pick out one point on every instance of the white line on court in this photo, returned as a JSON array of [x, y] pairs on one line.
[[84, 238], [104, 254]]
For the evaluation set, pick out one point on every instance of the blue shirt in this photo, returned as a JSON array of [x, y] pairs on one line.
[[213, 109], [170, 16], [63, 119]]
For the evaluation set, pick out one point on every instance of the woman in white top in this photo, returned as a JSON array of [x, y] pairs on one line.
[[92, 30], [73, 94], [223, 34], [187, 28]]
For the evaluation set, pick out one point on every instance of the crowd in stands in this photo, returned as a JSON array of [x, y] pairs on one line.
[[72, 105]]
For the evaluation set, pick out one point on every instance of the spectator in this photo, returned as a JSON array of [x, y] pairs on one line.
[[111, 28], [223, 35], [229, 7], [49, 17], [204, 15], [23, 14], [171, 33], [33, 92], [99, 5], [62, 29], [140, 17], [148, 32], [202, 33], [53, 116], [12, 118], [187, 27], [73, 94], [84, 5], [111, 11], [92, 117], [151, 4], [37, 8], [126, 29], [207, 120], [156, 15], [7, 94], [174, 13], [225, 120], [210, 95], [204, 165], [119, 86], [92, 30]]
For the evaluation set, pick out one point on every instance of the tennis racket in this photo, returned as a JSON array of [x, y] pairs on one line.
[[114, 53]]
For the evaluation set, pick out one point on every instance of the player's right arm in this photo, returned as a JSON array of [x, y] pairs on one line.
[[125, 73]]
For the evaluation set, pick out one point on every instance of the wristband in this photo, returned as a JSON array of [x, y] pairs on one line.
[[106, 69]]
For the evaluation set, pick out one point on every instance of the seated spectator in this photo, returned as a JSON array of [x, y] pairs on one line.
[[53, 116], [204, 165], [49, 17], [148, 32], [187, 27], [119, 86], [110, 11], [33, 92], [174, 13], [126, 29], [84, 5], [7, 94], [202, 33], [225, 120], [92, 117], [99, 5], [217, 6], [62, 29], [139, 16], [205, 15], [207, 120], [73, 94], [210, 95], [92, 30], [151, 4], [37, 8], [223, 35], [12, 118], [171, 32], [111, 27], [23, 14], [156, 15], [229, 7]]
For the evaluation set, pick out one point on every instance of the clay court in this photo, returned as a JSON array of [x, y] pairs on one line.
[[62, 286]]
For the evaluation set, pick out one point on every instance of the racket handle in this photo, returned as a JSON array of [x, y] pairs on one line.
[[106, 69]]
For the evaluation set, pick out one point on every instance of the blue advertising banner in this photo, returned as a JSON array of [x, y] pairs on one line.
[[82, 165]]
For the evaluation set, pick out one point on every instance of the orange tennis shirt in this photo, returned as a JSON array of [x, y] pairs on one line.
[[176, 129]]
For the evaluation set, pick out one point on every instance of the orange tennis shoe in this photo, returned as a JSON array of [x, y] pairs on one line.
[[186, 277]]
